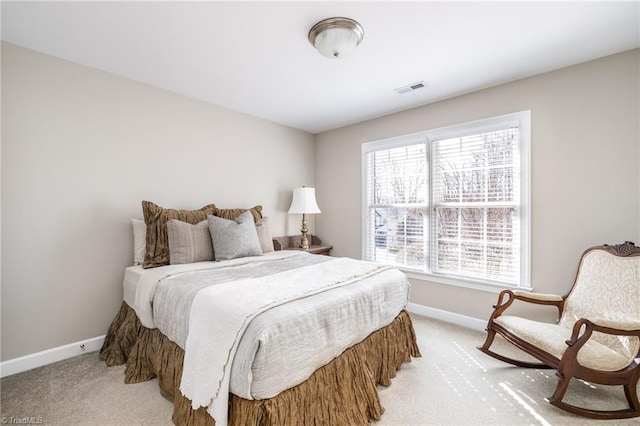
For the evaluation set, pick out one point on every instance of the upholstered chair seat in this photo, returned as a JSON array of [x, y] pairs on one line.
[[552, 338]]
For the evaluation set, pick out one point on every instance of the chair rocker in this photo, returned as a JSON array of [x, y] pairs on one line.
[[597, 335]]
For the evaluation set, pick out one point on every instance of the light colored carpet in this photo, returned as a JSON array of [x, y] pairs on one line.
[[452, 384]]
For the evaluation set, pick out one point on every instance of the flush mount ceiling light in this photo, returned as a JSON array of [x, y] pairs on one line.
[[336, 37]]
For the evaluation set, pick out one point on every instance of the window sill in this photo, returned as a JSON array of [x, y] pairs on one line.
[[458, 282]]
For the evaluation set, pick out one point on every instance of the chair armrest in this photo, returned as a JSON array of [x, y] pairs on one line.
[[538, 297], [618, 328], [617, 325], [507, 297], [582, 331]]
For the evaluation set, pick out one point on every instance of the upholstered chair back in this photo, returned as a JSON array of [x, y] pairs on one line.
[[607, 287]]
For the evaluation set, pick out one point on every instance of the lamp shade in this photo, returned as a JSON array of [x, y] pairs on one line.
[[336, 37], [304, 201]]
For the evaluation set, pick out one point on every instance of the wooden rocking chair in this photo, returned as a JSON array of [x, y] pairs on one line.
[[597, 336]]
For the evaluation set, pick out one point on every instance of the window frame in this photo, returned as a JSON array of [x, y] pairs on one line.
[[523, 120]]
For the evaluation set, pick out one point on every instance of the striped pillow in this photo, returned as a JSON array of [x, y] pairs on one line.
[[264, 235], [189, 243]]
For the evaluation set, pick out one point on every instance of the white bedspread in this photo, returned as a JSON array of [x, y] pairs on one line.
[[214, 333], [139, 284], [320, 327]]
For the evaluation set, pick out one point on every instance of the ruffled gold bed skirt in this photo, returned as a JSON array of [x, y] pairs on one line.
[[343, 392]]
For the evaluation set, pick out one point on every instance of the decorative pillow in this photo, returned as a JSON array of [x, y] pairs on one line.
[[264, 235], [139, 240], [189, 243], [234, 238], [233, 214], [157, 249]]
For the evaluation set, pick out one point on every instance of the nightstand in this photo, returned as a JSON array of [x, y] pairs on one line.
[[293, 243], [324, 250]]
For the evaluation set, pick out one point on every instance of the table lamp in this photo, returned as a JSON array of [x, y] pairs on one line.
[[304, 202]]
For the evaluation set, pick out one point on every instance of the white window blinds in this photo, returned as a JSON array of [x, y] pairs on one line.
[[451, 202], [475, 193], [396, 198]]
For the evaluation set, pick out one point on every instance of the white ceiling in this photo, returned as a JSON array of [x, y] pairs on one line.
[[254, 57]]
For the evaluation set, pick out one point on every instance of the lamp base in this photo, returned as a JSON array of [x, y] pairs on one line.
[[304, 243]]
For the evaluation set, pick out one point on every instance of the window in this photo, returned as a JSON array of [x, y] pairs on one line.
[[452, 202]]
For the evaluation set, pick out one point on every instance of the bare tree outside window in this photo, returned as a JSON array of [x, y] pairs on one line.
[[399, 194], [473, 182], [449, 202]]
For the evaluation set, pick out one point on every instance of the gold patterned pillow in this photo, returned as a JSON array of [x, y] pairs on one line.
[[233, 214], [156, 217]]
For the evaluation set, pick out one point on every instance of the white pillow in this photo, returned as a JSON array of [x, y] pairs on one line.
[[264, 235], [139, 240]]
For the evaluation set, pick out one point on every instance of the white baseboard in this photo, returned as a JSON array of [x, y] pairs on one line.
[[452, 317], [38, 359]]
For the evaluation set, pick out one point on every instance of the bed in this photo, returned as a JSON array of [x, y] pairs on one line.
[[281, 337]]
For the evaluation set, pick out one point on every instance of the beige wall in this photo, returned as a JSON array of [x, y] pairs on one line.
[[585, 169], [80, 149]]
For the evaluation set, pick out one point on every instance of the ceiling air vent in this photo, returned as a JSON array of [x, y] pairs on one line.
[[411, 87]]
